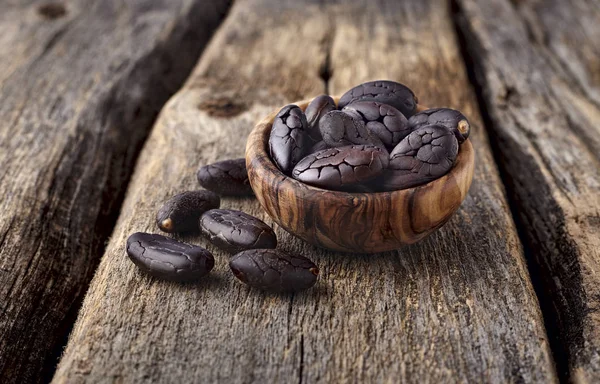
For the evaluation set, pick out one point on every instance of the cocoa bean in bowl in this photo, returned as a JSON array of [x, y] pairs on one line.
[[336, 198]]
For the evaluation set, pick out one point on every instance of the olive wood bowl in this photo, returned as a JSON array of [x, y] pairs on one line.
[[354, 222]]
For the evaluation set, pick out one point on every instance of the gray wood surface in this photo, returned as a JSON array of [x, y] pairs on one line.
[[80, 84], [457, 307], [538, 63]]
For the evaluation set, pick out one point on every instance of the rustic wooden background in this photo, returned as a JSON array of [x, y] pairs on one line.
[[507, 291]]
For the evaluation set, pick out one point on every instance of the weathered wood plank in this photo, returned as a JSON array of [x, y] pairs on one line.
[[538, 66], [457, 307], [80, 84]]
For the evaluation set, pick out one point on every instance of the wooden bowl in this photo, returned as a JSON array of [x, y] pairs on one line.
[[354, 222]]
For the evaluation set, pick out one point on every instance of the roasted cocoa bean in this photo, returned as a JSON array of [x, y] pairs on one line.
[[288, 142], [382, 120], [342, 168], [395, 94], [274, 270], [235, 231], [226, 178], [316, 109], [181, 212], [449, 118], [167, 258], [340, 129], [424, 155]]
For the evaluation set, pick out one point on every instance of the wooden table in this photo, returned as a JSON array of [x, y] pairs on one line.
[[507, 291]]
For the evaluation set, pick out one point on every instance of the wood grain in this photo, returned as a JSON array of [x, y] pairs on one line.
[[80, 84], [354, 222], [456, 307], [538, 63]]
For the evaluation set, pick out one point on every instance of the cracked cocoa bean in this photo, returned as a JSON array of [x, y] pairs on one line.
[[340, 129], [181, 212], [424, 155], [449, 118], [274, 270], [227, 178], [342, 168], [382, 120], [316, 109], [288, 142], [395, 94], [235, 231], [167, 258]]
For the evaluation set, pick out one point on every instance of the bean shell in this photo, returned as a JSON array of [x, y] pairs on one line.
[[167, 258], [235, 231], [342, 168], [425, 155], [274, 270], [382, 120], [395, 94], [316, 109], [340, 129], [288, 141], [181, 212], [449, 118], [226, 178]]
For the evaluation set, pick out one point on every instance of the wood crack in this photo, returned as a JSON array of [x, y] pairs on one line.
[[53, 40], [326, 70], [301, 364]]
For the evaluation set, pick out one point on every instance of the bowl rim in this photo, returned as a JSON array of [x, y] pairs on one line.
[[464, 158]]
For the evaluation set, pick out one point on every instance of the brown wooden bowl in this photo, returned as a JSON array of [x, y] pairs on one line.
[[354, 222]]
